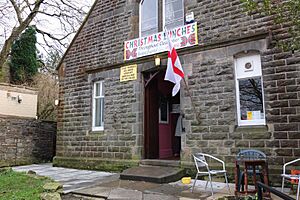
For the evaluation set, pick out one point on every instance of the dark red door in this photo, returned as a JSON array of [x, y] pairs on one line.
[[151, 120]]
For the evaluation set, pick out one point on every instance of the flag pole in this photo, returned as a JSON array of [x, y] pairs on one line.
[[174, 71]]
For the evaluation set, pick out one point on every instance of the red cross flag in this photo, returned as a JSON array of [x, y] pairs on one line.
[[174, 71]]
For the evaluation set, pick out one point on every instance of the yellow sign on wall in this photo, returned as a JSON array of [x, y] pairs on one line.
[[128, 73]]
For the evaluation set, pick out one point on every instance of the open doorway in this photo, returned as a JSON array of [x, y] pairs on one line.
[[162, 112]]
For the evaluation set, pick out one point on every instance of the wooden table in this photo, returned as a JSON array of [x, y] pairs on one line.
[[251, 164]]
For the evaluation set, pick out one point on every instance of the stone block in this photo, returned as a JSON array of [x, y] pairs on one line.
[[294, 118], [278, 104], [280, 135], [52, 187], [215, 143], [257, 143], [277, 119], [296, 152], [294, 103], [274, 143], [235, 135], [215, 136], [283, 152], [294, 135], [199, 129], [273, 112], [286, 82], [257, 135], [286, 127], [289, 143], [50, 196], [288, 111], [242, 143], [220, 128]]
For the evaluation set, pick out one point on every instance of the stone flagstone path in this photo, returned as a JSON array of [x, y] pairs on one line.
[[71, 179]]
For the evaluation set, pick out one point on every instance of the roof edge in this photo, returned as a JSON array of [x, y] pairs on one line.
[[77, 33]]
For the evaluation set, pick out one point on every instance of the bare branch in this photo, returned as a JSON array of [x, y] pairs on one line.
[[17, 10], [57, 20]]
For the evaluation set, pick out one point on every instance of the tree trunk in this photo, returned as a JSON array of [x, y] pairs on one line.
[[16, 32], [5, 75]]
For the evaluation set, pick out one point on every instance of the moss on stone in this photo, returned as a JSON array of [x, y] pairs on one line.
[[95, 164]]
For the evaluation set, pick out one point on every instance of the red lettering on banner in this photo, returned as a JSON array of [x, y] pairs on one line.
[[178, 34], [142, 42], [150, 39]]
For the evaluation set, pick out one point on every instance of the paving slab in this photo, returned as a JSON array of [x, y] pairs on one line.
[[94, 185], [102, 192], [72, 179], [158, 197], [125, 194]]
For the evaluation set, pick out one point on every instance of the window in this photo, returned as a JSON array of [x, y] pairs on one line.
[[163, 111], [173, 13], [98, 106], [148, 17], [249, 91]]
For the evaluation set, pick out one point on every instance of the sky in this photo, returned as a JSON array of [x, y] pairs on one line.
[[8, 20]]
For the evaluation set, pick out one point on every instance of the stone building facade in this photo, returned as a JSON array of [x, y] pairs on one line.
[[211, 116]]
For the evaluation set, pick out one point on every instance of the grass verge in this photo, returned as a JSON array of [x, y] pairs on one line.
[[20, 186]]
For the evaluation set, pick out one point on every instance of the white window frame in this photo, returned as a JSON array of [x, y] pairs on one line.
[[140, 16], [164, 13], [101, 96], [257, 73]]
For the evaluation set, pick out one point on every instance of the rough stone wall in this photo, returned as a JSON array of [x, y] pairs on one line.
[[100, 44], [224, 30], [121, 138], [225, 20], [212, 126], [25, 141]]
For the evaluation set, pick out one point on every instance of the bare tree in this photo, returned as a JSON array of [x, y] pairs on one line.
[[47, 86], [16, 15]]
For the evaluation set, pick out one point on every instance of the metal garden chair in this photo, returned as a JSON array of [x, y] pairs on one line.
[[203, 169], [290, 177]]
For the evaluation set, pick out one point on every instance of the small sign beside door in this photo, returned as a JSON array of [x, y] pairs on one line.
[[128, 73]]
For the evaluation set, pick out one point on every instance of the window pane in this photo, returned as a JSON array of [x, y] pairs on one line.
[[102, 90], [99, 108], [251, 100], [174, 13], [149, 17], [97, 89], [163, 109], [102, 111]]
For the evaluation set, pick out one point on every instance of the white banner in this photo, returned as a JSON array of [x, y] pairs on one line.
[[184, 36]]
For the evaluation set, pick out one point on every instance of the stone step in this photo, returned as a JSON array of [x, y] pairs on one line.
[[164, 163], [155, 174]]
